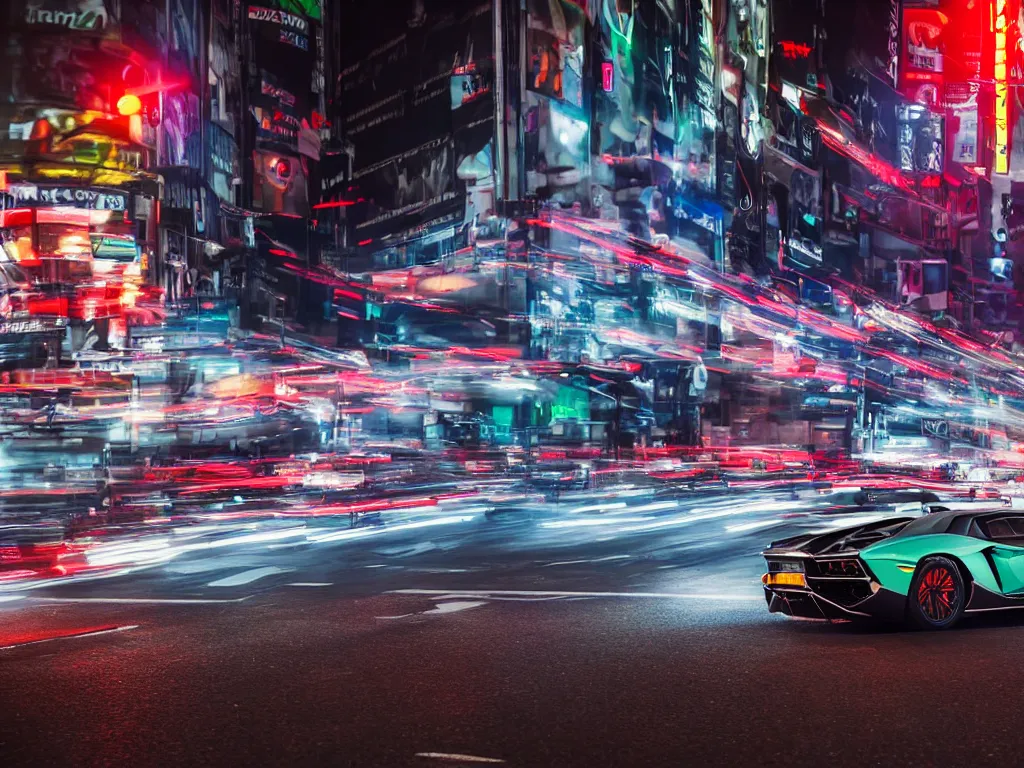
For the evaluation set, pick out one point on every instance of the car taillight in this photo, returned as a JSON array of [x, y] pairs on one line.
[[784, 566], [9, 554]]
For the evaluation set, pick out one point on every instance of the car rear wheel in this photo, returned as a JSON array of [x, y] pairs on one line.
[[938, 594]]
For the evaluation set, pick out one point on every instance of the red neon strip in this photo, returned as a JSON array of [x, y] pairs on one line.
[[334, 204]]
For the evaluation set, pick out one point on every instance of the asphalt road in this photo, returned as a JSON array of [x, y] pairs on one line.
[[521, 640]]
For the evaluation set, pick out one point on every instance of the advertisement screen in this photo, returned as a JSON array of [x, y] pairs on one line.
[[920, 140], [793, 54], [554, 41], [923, 61], [407, 186], [417, 83], [965, 145], [277, 112], [280, 183], [556, 146]]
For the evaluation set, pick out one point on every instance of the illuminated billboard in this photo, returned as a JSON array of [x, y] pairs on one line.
[[555, 48], [963, 72], [923, 61], [1001, 23]]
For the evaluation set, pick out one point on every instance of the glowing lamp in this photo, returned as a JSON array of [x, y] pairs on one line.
[[129, 104], [40, 130], [607, 76]]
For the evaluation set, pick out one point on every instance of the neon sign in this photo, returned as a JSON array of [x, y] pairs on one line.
[[607, 76], [894, 42], [79, 197], [924, 39], [794, 50], [1002, 160], [275, 16], [80, 19]]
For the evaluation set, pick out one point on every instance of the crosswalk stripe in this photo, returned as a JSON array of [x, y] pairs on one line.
[[248, 577]]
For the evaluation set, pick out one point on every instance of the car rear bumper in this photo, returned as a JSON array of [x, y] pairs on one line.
[[804, 603]]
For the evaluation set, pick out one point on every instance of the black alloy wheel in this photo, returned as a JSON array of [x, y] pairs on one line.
[[938, 594]]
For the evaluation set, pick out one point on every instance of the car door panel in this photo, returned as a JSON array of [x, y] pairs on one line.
[[1009, 565], [1006, 555]]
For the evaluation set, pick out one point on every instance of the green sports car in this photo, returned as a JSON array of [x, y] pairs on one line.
[[930, 570]]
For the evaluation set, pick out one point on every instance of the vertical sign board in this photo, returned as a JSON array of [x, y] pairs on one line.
[[922, 64], [1000, 76], [963, 51], [894, 42]]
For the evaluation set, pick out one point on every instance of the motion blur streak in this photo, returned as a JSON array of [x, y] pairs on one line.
[[373, 295], [320, 539]]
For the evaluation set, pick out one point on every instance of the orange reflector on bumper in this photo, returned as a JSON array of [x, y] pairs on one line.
[[784, 580]]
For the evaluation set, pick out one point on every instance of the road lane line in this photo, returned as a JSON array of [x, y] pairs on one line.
[[455, 606], [310, 584], [139, 600], [595, 560], [559, 593], [441, 608], [458, 758], [248, 577], [499, 599], [93, 633]]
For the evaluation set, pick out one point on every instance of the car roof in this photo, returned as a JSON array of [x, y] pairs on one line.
[[941, 522]]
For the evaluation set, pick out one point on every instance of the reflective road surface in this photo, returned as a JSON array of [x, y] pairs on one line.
[[614, 630]]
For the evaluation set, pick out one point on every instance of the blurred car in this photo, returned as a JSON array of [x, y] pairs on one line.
[[552, 477], [31, 548]]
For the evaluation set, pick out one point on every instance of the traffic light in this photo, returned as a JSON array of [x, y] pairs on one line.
[[129, 104]]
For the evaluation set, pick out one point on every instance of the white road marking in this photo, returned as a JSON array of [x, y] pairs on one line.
[[138, 600], [456, 606], [411, 551], [545, 593], [10, 598], [458, 758], [497, 599], [595, 560], [71, 637], [453, 607], [742, 527], [310, 584], [493, 598], [248, 577]]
